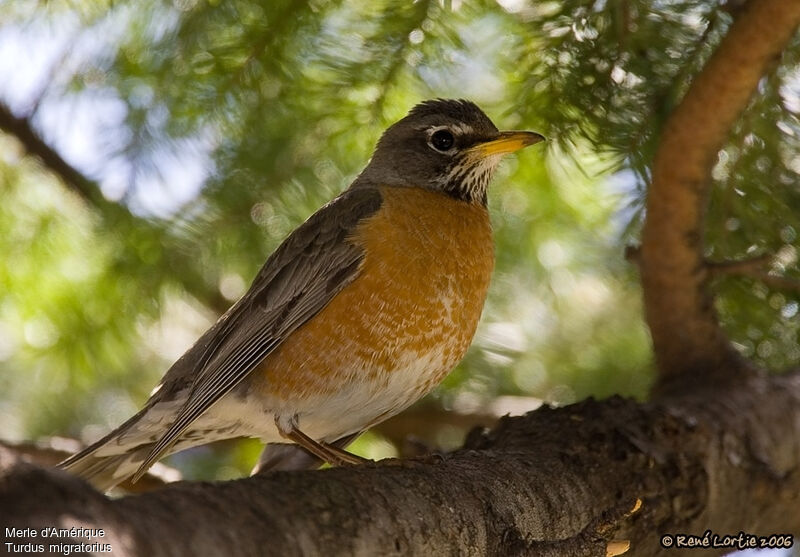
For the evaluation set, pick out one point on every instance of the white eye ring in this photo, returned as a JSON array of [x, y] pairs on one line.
[[442, 140]]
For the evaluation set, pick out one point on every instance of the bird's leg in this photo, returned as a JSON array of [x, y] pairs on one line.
[[328, 453], [346, 457]]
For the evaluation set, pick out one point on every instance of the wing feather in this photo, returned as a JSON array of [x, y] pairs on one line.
[[305, 273]]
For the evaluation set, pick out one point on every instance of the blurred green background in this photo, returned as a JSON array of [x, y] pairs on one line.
[[203, 131]]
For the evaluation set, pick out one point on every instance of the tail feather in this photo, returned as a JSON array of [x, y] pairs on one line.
[[106, 472]]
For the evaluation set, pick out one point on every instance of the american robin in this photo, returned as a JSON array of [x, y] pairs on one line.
[[360, 312]]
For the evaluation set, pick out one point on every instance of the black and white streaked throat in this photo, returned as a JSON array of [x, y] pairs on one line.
[[467, 177]]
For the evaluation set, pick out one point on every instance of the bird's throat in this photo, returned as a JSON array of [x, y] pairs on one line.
[[468, 179]]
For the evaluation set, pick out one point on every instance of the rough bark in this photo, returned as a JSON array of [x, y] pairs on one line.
[[686, 335], [555, 482]]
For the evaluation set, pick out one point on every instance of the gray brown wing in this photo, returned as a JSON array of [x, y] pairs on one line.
[[305, 273]]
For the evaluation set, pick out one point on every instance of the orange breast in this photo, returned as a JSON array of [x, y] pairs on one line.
[[405, 321]]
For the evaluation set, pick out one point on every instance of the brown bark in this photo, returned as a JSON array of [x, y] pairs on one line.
[[555, 482], [686, 335]]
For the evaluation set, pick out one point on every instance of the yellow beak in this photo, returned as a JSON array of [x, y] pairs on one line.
[[507, 142]]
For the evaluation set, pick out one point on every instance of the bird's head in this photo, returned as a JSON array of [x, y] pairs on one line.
[[443, 145]]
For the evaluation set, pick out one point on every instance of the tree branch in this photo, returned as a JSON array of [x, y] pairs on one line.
[[678, 307], [21, 128], [775, 282], [740, 266], [555, 482], [184, 267], [754, 268]]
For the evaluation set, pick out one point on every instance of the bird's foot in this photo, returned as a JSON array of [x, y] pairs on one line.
[[341, 457], [326, 452]]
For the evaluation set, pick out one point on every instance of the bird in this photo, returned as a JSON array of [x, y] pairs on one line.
[[360, 311]]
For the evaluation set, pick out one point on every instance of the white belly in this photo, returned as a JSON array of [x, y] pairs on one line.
[[354, 407]]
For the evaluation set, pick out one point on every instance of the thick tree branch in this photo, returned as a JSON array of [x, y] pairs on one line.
[[555, 482], [678, 307]]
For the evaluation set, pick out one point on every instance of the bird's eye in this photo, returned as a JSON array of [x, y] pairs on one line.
[[442, 140]]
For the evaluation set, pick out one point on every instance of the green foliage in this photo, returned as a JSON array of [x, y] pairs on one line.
[[222, 125]]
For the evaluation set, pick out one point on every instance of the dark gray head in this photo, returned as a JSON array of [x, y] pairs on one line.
[[443, 145]]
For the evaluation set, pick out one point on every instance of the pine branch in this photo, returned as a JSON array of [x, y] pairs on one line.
[[21, 128], [741, 266], [185, 269]]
